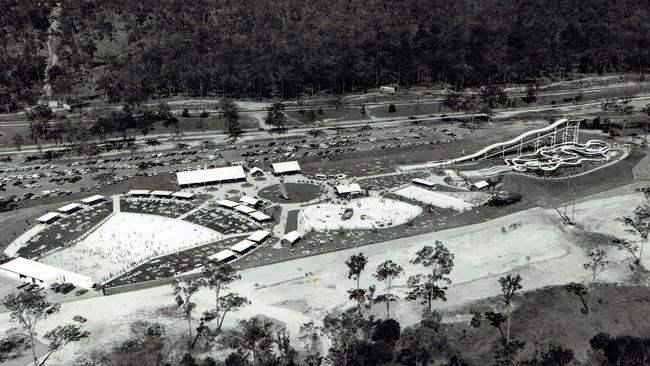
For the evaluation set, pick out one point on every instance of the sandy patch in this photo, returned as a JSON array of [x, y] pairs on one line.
[[368, 213], [437, 199]]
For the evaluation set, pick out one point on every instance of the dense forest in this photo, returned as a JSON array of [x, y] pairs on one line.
[[134, 50]]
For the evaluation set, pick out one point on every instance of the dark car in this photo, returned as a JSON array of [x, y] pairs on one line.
[[79, 318], [80, 292], [65, 288]]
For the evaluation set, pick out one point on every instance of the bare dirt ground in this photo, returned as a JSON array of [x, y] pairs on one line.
[[541, 249]]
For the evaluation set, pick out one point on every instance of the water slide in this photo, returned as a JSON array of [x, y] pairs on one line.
[[549, 158], [484, 151]]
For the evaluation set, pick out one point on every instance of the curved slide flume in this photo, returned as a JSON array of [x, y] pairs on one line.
[[549, 158], [487, 149]]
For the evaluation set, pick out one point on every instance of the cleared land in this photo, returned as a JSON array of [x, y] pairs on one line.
[[540, 249], [367, 213]]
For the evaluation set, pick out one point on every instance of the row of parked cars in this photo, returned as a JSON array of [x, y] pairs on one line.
[[63, 288]]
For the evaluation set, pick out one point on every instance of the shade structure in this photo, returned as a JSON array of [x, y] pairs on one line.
[[209, 176], [286, 167], [222, 255], [259, 236], [243, 246]]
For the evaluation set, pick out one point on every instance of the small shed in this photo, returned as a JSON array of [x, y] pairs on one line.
[[248, 200], [287, 167], [256, 172], [291, 237], [351, 189], [480, 185]]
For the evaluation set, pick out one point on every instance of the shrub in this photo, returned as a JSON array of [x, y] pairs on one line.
[[204, 114], [185, 113], [392, 108]]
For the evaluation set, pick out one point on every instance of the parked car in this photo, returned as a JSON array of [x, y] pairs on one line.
[[79, 318], [65, 287], [80, 292]]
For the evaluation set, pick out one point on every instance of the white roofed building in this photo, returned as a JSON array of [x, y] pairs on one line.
[[49, 217], [259, 236], [164, 194], [243, 246], [93, 199], [70, 208], [223, 256], [36, 272], [260, 216], [253, 202], [244, 209], [348, 189], [138, 192], [291, 237], [287, 167], [228, 203], [211, 176], [256, 171], [183, 195], [480, 185]]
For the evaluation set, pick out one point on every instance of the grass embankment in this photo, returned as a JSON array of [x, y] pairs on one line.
[[551, 316]]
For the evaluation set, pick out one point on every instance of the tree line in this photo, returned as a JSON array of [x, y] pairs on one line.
[[133, 51]]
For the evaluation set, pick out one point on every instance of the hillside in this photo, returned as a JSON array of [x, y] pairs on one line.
[[130, 51]]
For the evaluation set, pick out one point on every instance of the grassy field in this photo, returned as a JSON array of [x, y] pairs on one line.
[[328, 114], [298, 192], [552, 316]]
